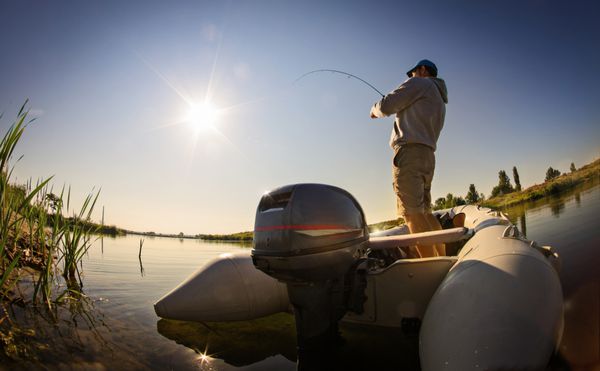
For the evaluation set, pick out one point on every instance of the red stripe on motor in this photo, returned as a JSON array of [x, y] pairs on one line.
[[301, 227]]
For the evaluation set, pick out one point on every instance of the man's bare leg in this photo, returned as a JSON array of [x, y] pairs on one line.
[[434, 225], [419, 223]]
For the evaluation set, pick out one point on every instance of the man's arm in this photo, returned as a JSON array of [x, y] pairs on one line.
[[399, 99]]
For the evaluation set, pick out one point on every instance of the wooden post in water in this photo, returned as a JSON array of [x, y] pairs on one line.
[[141, 244], [140, 257], [102, 234]]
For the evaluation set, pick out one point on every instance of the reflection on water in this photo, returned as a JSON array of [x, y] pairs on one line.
[[73, 334], [522, 220], [557, 205], [272, 341], [114, 325], [131, 274], [237, 343]]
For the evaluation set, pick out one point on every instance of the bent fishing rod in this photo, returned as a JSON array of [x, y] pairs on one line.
[[342, 73]]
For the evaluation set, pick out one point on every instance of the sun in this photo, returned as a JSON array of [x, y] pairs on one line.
[[202, 116]]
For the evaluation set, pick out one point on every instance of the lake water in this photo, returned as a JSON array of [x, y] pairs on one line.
[[118, 329]]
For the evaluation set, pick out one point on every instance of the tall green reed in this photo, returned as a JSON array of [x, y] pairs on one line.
[[12, 203], [46, 216], [66, 240], [76, 237], [34, 230]]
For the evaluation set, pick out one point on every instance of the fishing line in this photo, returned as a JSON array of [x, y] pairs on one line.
[[343, 73]]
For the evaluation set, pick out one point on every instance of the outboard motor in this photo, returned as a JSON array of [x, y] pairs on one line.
[[313, 237]]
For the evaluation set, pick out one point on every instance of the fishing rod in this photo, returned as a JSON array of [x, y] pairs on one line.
[[342, 73]]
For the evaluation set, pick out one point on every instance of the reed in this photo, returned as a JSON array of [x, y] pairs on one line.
[[13, 202], [34, 231], [48, 237], [77, 237]]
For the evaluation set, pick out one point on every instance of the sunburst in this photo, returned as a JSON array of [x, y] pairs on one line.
[[202, 116]]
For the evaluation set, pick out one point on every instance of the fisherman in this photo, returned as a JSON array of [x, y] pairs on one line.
[[419, 106]]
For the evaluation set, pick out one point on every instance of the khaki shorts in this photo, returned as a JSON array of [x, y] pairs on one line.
[[412, 173]]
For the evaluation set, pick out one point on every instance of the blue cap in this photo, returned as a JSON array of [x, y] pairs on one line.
[[426, 63]]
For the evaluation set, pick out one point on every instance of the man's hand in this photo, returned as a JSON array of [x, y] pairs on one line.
[[373, 115]]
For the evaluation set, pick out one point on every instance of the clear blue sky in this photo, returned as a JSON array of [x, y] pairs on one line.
[[106, 78]]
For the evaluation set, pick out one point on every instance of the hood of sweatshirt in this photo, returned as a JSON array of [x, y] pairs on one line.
[[441, 85]]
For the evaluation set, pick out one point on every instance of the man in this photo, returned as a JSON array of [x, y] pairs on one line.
[[420, 107]]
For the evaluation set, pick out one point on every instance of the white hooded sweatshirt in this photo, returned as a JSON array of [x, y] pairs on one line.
[[420, 108]]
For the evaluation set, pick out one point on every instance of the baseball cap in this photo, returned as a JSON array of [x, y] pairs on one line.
[[426, 63]]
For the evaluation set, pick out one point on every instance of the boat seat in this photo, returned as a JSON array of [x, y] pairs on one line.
[[402, 290]]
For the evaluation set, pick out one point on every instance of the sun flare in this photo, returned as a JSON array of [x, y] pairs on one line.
[[202, 116]]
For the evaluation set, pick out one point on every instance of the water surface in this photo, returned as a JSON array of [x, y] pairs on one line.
[[117, 327]]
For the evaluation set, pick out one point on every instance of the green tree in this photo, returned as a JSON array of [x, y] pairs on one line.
[[551, 174], [450, 200], [472, 196], [440, 203], [573, 168], [516, 178], [504, 186]]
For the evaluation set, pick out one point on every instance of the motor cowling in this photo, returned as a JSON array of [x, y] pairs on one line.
[[313, 237], [308, 232]]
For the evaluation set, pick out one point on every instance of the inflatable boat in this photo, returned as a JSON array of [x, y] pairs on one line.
[[493, 301]]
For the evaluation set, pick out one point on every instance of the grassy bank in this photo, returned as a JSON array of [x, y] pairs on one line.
[[586, 174], [106, 230], [240, 236]]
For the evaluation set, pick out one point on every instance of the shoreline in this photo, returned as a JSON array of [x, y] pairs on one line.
[[242, 237], [586, 174], [589, 173]]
